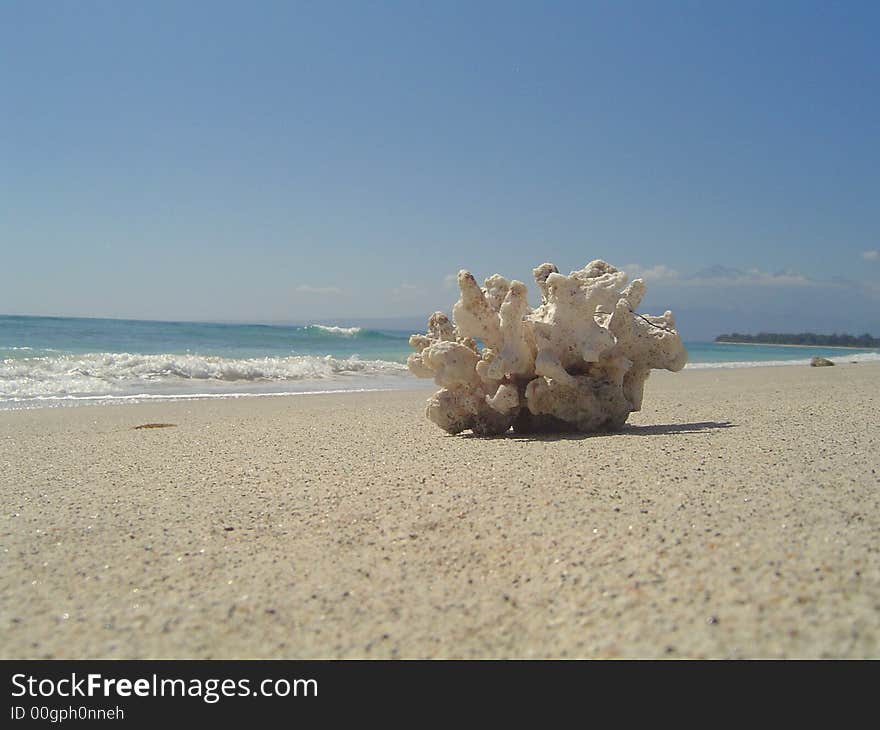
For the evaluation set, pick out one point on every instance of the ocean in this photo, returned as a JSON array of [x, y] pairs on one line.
[[52, 361]]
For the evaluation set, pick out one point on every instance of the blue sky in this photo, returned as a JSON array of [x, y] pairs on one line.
[[290, 160]]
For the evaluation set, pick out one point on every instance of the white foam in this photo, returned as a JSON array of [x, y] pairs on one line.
[[116, 374], [13, 348], [345, 331]]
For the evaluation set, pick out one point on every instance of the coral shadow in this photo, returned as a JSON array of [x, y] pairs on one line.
[[627, 430], [674, 428]]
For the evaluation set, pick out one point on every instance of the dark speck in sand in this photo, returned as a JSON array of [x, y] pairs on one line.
[[155, 425], [228, 529]]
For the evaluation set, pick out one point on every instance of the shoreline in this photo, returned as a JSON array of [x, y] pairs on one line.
[[737, 515], [415, 384], [813, 347], [154, 398]]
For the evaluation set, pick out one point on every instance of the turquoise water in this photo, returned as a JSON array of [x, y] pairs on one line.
[[58, 361], [46, 335], [716, 354]]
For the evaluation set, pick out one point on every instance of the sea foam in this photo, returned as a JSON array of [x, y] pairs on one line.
[[96, 374], [330, 329]]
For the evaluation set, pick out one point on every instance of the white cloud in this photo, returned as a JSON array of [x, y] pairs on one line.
[[404, 291], [720, 275], [309, 289], [871, 255], [791, 278], [658, 272]]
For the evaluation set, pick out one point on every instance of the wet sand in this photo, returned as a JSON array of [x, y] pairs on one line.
[[737, 515]]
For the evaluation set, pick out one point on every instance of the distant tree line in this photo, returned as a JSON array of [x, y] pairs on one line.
[[804, 338]]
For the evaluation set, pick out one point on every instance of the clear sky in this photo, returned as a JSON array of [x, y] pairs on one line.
[[299, 160]]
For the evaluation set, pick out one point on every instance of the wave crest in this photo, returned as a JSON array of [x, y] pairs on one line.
[[120, 373], [330, 329]]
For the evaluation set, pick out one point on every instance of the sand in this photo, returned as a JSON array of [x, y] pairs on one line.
[[738, 515]]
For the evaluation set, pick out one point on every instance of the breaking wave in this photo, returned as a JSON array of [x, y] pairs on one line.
[[332, 330], [122, 374]]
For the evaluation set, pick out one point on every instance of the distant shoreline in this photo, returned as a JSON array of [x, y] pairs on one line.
[[775, 344]]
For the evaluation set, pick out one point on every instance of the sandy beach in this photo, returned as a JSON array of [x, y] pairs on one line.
[[737, 515]]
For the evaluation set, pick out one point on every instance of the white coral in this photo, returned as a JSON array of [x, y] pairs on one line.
[[578, 361], [517, 354], [474, 314]]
